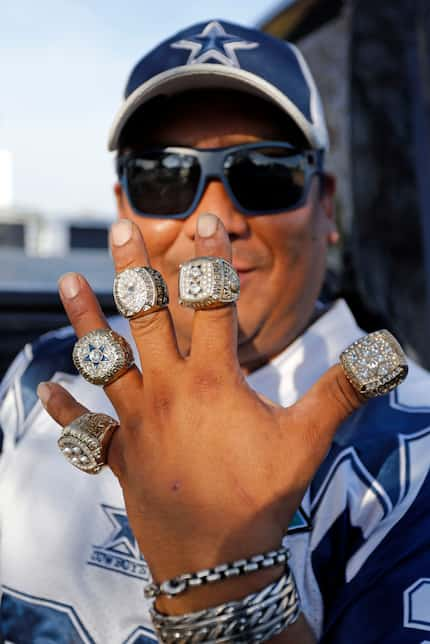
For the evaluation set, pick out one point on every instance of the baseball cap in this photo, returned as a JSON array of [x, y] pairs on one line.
[[223, 55]]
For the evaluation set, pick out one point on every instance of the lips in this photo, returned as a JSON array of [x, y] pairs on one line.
[[244, 273]]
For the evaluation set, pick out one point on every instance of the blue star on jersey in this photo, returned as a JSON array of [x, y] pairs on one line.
[[214, 44], [122, 538]]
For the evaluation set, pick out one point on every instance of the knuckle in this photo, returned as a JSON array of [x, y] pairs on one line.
[[56, 398], [78, 311], [206, 381], [344, 393], [115, 455], [222, 315], [160, 403], [149, 323], [123, 258], [133, 424]]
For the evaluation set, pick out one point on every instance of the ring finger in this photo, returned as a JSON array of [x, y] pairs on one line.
[[85, 315]]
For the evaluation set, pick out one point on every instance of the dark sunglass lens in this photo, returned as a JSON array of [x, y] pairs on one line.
[[162, 183], [266, 179]]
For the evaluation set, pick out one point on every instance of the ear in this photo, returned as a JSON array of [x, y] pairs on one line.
[[120, 199], [327, 203]]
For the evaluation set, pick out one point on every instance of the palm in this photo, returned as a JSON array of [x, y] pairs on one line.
[[203, 461]]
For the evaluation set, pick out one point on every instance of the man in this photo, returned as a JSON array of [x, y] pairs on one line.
[[71, 568]]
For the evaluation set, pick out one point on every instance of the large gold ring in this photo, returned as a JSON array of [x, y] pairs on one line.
[[101, 356], [374, 364], [85, 441], [208, 282]]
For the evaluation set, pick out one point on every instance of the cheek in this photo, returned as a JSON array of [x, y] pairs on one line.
[[159, 235], [292, 237], [298, 248]]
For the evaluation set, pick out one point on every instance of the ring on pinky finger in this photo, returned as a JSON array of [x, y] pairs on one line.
[[85, 441]]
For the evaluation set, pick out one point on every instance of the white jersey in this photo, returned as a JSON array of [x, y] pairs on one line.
[[70, 567]]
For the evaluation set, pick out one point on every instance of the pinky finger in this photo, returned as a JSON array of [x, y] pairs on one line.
[[59, 404], [64, 409]]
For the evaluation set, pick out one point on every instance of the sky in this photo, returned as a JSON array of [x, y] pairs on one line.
[[63, 67]]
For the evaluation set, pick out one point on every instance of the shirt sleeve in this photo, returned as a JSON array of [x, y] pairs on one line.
[[12, 412], [39, 361]]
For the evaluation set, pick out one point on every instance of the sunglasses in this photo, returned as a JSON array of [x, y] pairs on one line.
[[267, 177]]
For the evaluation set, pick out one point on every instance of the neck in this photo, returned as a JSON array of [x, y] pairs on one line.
[[251, 360]]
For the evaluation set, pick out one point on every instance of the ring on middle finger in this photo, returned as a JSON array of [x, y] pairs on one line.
[[208, 282], [139, 290]]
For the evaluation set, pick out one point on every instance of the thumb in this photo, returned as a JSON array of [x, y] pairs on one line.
[[309, 425], [375, 364], [323, 408]]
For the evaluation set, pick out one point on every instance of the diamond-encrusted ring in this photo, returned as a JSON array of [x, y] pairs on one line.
[[101, 356], [374, 364], [139, 290], [85, 441], [208, 282]]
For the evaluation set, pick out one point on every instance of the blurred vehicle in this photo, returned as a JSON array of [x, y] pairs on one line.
[[34, 251]]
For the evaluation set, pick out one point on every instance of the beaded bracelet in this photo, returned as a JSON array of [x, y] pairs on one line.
[[181, 583]]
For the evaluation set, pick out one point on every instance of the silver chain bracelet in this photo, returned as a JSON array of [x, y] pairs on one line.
[[181, 583], [256, 618]]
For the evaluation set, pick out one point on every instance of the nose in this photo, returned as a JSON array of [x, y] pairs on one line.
[[216, 200]]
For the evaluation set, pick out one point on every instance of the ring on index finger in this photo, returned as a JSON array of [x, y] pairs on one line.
[[102, 356], [85, 441], [139, 290], [208, 282]]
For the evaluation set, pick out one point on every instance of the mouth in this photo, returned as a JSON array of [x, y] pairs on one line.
[[245, 273]]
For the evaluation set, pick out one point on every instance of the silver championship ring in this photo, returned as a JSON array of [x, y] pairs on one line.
[[101, 356], [85, 441], [374, 364], [208, 282], [139, 290]]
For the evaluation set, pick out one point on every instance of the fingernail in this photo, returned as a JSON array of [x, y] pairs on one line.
[[44, 392], [207, 225], [121, 232], [69, 285]]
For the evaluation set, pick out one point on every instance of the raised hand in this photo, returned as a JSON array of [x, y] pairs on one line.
[[210, 471]]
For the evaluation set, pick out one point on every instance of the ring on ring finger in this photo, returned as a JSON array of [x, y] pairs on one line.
[[101, 356]]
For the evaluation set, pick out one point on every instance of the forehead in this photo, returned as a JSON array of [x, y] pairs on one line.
[[198, 115]]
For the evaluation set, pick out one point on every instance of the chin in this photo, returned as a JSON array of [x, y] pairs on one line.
[[246, 333]]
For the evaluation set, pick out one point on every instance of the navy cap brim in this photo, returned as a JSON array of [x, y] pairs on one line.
[[209, 76]]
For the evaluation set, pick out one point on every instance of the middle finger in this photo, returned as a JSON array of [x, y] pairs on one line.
[[154, 332]]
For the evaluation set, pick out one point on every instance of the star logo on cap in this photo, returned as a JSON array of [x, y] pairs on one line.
[[214, 44]]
